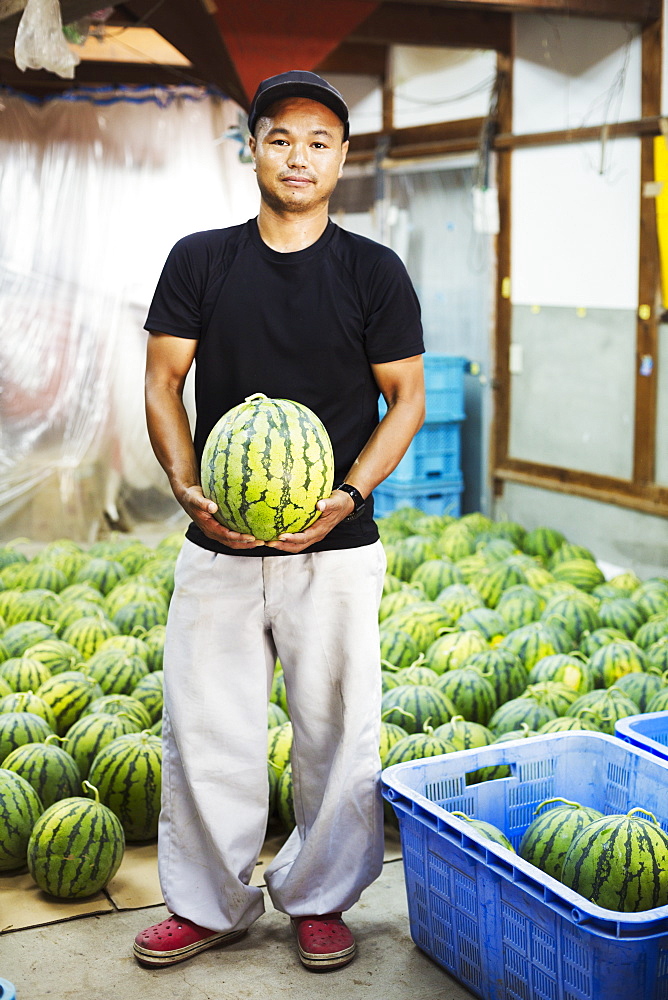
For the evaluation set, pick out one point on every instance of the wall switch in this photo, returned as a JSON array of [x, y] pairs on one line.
[[516, 360]]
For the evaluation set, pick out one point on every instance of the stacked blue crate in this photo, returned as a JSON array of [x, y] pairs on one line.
[[429, 475]]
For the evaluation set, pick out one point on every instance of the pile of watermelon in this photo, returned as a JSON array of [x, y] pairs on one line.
[[488, 631], [81, 645]]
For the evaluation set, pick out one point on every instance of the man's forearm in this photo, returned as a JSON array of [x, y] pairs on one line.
[[387, 445], [170, 435]]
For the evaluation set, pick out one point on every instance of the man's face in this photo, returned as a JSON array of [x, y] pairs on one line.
[[298, 151]]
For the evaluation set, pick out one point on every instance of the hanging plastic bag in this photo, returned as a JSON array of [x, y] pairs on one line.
[[40, 43]]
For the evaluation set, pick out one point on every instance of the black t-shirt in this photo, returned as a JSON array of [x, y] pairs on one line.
[[305, 326]]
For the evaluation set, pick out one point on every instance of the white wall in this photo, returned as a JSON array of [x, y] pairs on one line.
[[440, 85]]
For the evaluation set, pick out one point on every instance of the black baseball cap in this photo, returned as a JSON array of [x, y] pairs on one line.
[[297, 83]]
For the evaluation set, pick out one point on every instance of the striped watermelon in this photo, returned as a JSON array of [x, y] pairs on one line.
[[621, 613], [69, 613], [17, 638], [464, 734], [413, 706], [615, 659], [620, 863], [91, 733], [456, 541], [23, 673], [389, 735], [266, 463], [568, 551], [599, 637], [546, 840], [285, 806], [68, 694], [526, 711], [565, 723], [520, 605], [534, 641], [4, 688], [34, 605], [149, 691], [492, 582], [487, 621], [555, 695], [127, 773], [88, 633], [102, 573], [486, 830], [137, 617], [279, 745], [457, 599], [434, 575], [82, 592], [417, 673], [604, 708], [470, 692], [658, 702], [504, 671], [154, 640], [116, 671], [651, 598], [26, 701], [50, 769], [417, 745], [121, 704], [542, 542], [657, 655], [397, 646], [495, 548], [279, 694], [654, 629], [511, 530], [569, 669], [56, 654], [577, 612], [130, 644], [640, 687], [41, 576], [416, 549], [18, 728], [423, 621], [453, 649], [471, 566], [76, 847], [398, 600], [20, 808]]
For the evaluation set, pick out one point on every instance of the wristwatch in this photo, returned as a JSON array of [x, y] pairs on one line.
[[358, 500]]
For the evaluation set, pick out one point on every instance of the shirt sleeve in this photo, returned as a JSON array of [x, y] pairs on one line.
[[177, 302], [393, 328]]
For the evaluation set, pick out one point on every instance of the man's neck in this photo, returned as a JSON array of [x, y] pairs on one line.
[[287, 233]]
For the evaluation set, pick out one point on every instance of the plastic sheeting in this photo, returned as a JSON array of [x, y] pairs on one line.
[[95, 188]]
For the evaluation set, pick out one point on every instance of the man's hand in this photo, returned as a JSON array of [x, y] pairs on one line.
[[201, 510], [333, 509]]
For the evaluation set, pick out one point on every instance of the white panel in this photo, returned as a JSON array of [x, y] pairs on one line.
[[440, 85], [662, 408], [364, 97], [575, 229], [574, 72]]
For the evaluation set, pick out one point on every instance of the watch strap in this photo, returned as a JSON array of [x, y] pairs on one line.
[[356, 497]]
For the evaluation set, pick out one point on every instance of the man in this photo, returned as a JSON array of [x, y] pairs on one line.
[[292, 306]]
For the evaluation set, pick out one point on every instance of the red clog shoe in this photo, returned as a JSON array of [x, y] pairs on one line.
[[175, 940], [324, 942]]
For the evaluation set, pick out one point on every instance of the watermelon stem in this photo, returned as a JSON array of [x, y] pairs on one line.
[[557, 798], [87, 785], [646, 811]]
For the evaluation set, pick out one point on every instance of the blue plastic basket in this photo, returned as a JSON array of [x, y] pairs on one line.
[[434, 454], [648, 731], [7, 990], [444, 387], [442, 497], [496, 923]]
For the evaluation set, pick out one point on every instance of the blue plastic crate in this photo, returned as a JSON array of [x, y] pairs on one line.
[[496, 923], [648, 731], [434, 454], [443, 497], [444, 387]]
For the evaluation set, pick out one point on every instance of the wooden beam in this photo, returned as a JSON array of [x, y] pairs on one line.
[[649, 499], [503, 306], [649, 273], [194, 33], [646, 126], [418, 140], [612, 10], [409, 24], [96, 73]]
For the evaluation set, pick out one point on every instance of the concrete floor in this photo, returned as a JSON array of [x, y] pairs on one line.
[[90, 959]]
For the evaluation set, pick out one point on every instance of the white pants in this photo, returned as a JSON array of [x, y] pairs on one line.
[[229, 617]]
